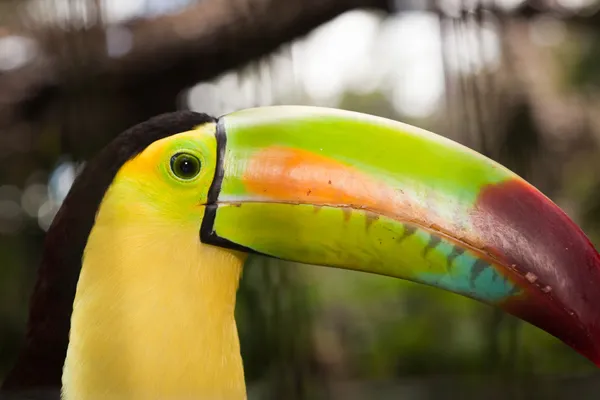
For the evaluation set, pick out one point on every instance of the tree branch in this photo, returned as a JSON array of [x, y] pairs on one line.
[[204, 40]]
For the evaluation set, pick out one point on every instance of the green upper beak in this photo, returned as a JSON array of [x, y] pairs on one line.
[[347, 190]]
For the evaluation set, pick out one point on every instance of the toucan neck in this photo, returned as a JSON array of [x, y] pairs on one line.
[[153, 315]]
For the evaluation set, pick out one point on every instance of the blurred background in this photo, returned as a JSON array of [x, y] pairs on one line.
[[518, 80]]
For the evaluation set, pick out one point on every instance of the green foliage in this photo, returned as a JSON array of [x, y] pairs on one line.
[[585, 65]]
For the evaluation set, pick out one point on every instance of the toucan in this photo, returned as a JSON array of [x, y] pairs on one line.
[[136, 291]]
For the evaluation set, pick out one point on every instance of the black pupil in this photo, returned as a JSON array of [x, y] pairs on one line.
[[185, 166]]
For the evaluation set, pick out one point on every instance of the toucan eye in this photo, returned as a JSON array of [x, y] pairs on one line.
[[185, 166]]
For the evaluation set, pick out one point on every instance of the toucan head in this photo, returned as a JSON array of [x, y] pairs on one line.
[[339, 189], [348, 190]]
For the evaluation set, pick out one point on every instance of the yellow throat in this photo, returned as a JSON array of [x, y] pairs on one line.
[[153, 316]]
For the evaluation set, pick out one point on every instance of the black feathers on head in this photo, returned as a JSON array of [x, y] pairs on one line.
[[42, 357]]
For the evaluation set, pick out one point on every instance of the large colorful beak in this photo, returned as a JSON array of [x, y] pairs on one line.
[[342, 189]]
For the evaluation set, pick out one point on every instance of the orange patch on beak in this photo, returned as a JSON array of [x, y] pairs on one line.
[[293, 175]]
